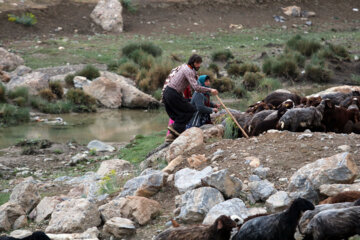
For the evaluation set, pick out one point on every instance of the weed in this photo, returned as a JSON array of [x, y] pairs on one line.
[[240, 70], [47, 95], [2, 93], [304, 46], [127, 4], [27, 19], [115, 64], [69, 80], [58, 151], [57, 89], [20, 101], [231, 130], [82, 101], [269, 84], [355, 79], [285, 68], [339, 50], [12, 115], [267, 66], [92, 152], [223, 84], [252, 80], [143, 59], [18, 92], [4, 198], [240, 92], [89, 71], [147, 47], [222, 55], [156, 76], [214, 68], [317, 73], [157, 94], [52, 108], [128, 69]]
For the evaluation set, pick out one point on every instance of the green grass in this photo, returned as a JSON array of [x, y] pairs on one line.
[[355, 79], [136, 151], [4, 197]]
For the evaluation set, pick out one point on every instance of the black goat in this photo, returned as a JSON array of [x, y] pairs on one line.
[[278, 97], [35, 236], [269, 122], [279, 226]]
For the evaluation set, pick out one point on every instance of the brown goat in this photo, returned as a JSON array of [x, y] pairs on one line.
[[349, 196], [219, 230]]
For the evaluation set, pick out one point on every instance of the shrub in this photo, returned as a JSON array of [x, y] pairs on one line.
[[19, 92], [231, 130], [89, 71], [239, 70], [11, 115], [285, 68], [304, 46], [141, 75], [252, 80], [82, 102], [155, 77], [115, 64], [269, 84], [20, 101], [147, 47], [2, 92], [129, 69], [47, 95], [317, 73], [339, 50], [51, 108], [127, 4], [267, 66], [69, 80], [223, 84], [142, 58], [27, 19], [214, 68], [207, 72], [298, 58], [57, 89], [222, 55], [240, 92], [157, 94]]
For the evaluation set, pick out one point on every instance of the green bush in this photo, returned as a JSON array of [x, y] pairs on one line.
[[115, 64], [214, 68], [51, 108], [47, 95], [304, 46], [127, 4], [223, 84], [231, 130], [339, 50], [143, 59], [240, 92], [20, 101], [269, 84], [267, 66], [298, 58], [27, 19], [239, 70], [2, 93], [12, 115], [252, 80], [128, 69], [57, 89], [155, 77], [222, 55], [69, 80], [157, 94], [82, 101], [317, 73], [285, 68], [147, 47], [89, 71], [18, 92]]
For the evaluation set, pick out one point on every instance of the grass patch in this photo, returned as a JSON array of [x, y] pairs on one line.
[[240, 69], [136, 151], [82, 102], [252, 80], [127, 4], [317, 73], [2, 92], [52, 108], [222, 55], [240, 92], [47, 95], [231, 130], [12, 115], [155, 77], [147, 47], [89, 71], [69, 80], [305, 46], [269, 84], [57, 89], [18, 92], [355, 79], [4, 198], [223, 84], [128, 69]]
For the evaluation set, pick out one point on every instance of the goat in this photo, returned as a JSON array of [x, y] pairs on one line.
[[334, 224], [279, 226], [348, 196], [269, 122], [313, 101], [219, 230], [337, 97], [277, 97], [259, 106], [35, 236], [257, 118]]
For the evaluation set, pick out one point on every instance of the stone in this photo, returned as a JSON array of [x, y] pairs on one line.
[[145, 185], [108, 14], [80, 82], [230, 207], [188, 140], [118, 165], [74, 216], [107, 92], [45, 208], [139, 209], [20, 233], [340, 168], [196, 160], [157, 155], [331, 190], [344, 148], [254, 162], [78, 158], [261, 190], [34, 82], [229, 186], [20, 222], [256, 211], [278, 202], [187, 179], [9, 213], [261, 172], [90, 234], [304, 135], [20, 71], [9, 61], [195, 204], [69, 69], [100, 146], [170, 168], [4, 76], [254, 178], [26, 194], [119, 227], [212, 131]]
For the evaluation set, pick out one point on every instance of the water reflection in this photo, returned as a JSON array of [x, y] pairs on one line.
[[107, 125]]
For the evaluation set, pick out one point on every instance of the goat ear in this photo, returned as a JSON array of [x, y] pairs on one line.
[[220, 225]]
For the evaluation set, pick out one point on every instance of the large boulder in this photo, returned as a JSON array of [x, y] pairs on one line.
[[306, 182], [74, 216], [212, 131], [34, 81], [187, 179], [108, 14], [45, 208], [331, 190], [278, 201], [9, 61], [139, 209], [195, 204], [9, 213], [119, 227], [20, 71], [100, 146], [107, 92], [261, 190], [118, 165], [26, 194], [188, 140]]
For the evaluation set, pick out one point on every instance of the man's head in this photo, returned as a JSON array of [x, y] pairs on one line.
[[195, 62]]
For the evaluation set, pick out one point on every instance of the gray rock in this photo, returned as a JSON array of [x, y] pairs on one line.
[[68, 69], [34, 81], [334, 189], [20, 71], [26, 194], [100, 146], [187, 179], [118, 165], [254, 178], [9, 212], [278, 201], [261, 172], [9, 61], [20, 222], [195, 204], [228, 185], [81, 82], [304, 135], [78, 158], [119, 227], [108, 14], [45, 208], [261, 190], [344, 148], [20, 233], [90, 234], [230, 207]]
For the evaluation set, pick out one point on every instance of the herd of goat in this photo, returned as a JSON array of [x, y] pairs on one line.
[[332, 112]]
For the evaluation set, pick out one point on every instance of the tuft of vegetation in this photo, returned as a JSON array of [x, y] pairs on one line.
[[18, 92], [12, 115], [4, 198], [223, 84], [27, 19], [20, 101], [222, 55], [69, 80], [2, 93], [339, 50], [305, 46], [252, 80], [89, 71], [231, 130], [82, 101], [240, 92], [286, 68], [115, 64], [214, 68], [47, 95], [143, 59], [155, 77], [57, 89], [51, 108], [128, 69], [355, 79], [269, 84], [157, 94], [147, 47], [127, 4], [317, 73], [240, 70]]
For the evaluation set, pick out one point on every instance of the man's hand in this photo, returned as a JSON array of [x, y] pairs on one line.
[[214, 92], [217, 105], [215, 110]]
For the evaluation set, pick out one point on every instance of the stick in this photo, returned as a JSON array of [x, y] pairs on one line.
[[232, 116]]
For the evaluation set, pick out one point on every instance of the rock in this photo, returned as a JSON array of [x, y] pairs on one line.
[[256, 211], [34, 81], [196, 160], [293, 11], [108, 14], [9, 61], [80, 82], [253, 161], [117, 165], [139, 209], [212, 131], [254, 178], [331, 190], [26, 194], [153, 159], [170, 168], [69, 69], [278, 202], [305, 182], [9, 212], [230, 207], [100, 146], [187, 179], [228, 185], [188, 140], [20, 233], [344, 148], [20, 222], [90, 234], [45, 208], [195, 204], [78, 158], [119, 227], [261, 172], [4, 77], [261, 190], [20, 71], [144, 185], [73, 216], [107, 92], [304, 135]]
